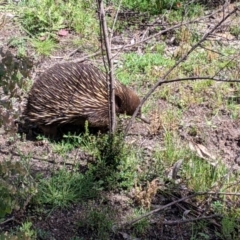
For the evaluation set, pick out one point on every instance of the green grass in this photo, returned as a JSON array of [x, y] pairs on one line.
[[98, 222], [68, 143], [140, 67], [115, 167], [197, 173], [65, 187], [185, 12], [44, 47], [48, 17], [159, 6], [42, 22], [20, 44], [201, 176], [141, 227], [172, 152], [235, 31], [26, 228]]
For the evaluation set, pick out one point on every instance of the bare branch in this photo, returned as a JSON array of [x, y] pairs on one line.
[[219, 193], [167, 30], [175, 202], [86, 57], [161, 81], [8, 220], [197, 78], [115, 19], [107, 44], [159, 209], [190, 220]]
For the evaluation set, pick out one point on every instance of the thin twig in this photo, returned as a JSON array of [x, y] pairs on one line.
[[198, 78], [52, 161], [81, 59], [159, 209], [115, 20], [144, 120], [189, 220], [87, 57], [219, 193], [211, 50], [165, 30], [175, 202], [160, 81], [107, 44], [71, 53], [8, 220]]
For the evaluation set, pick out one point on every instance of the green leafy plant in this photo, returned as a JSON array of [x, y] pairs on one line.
[[41, 19], [20, 44], [198, 231], [26, 228], [116, 165], [47, 18], [235, 31], [14, 79], [44, 47], [98, 223], [229, 229], [42, 234], [16, 186], [153, 7], [141, 227]]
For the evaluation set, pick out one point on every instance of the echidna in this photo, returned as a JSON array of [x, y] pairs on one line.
[[73, 93]]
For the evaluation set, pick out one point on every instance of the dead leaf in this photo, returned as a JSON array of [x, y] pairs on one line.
[[42, 38], [176, 167], [63, 32], [202, 151]]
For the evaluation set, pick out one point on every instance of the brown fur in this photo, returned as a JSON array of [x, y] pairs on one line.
[[72, 93]]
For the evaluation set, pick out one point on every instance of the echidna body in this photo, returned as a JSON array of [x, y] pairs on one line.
[[72, 93]]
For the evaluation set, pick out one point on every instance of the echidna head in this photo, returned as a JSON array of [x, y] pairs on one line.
[[127, 101]]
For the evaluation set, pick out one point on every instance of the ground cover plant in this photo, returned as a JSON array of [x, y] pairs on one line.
[[176, 177]]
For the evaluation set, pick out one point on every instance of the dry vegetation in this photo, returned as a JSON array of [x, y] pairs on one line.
[[175, 178]]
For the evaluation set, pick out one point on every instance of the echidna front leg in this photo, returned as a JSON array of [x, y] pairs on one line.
[[49, 131]]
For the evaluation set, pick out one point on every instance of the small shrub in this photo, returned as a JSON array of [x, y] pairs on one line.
[[14, 75], [26, 228], [229, 229], [64, 188], [97, 223], [235, 31], [115, 165], [20, 44], [16, 187], [44, 47], [140, 228]]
